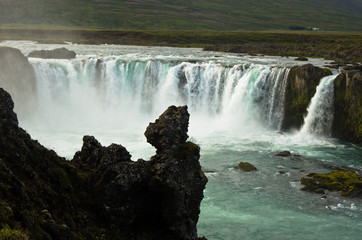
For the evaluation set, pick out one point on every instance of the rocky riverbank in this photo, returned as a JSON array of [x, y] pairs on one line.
[[101, 193]]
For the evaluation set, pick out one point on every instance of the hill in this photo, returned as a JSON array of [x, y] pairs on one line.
[[339, 15]]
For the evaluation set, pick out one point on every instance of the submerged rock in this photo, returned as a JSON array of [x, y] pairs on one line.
[[347, 182], [246, 167], [59, 53], [283, 154], [101, 193], [301, 59]]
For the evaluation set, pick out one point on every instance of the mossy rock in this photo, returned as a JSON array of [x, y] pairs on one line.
[[347, 182], [246, 167], [13, 234], [187, 149]]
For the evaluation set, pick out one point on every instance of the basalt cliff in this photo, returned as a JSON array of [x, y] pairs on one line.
[[101, 193]]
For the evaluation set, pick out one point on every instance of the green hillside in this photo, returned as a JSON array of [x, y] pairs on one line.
[[340, 15]]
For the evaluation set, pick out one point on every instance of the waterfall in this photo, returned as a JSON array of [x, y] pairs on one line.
[[319, 119], [112, 90]]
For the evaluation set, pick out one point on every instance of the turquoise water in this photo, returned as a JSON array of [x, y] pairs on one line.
[[235, 102], [268, 203]]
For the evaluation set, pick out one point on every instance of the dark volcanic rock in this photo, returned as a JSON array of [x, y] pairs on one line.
[[18, 78], [301, 87], [170, 130], [347, 123], [59, 53], [301, 59], [159, 199], [101, 193]]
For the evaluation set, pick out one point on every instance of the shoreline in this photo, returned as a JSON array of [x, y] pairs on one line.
[[342, 47]]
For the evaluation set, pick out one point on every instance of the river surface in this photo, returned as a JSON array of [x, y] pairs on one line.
[[236, 106]]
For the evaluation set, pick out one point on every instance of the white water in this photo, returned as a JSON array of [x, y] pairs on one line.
[[236, 105], [319, 120]]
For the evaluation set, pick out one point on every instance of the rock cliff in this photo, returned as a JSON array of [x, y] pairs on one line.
[[347, 123], [301, 87], [101, 193], [17, 76]]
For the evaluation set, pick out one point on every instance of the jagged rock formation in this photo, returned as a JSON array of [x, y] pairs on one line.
[[17, 77], [59, 53], [347, 122], [301, 87], [101, 193]]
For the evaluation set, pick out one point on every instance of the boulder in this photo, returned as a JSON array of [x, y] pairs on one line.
[[347, 122], [283, 154], [301, 87], [58, 53], [246, 167]]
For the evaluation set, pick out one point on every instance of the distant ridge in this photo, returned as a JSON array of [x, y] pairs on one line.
[[331, 15]]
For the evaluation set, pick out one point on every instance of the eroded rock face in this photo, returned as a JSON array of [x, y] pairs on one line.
[[59, 53], [170, 130], [347, 124], [160, 198], [301, 87], [101, 193], [18, 78]]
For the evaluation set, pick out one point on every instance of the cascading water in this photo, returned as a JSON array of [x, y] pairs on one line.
[[319, 119], [236, 106], [111, 89]]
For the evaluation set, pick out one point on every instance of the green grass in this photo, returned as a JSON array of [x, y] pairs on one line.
[[185, 15]]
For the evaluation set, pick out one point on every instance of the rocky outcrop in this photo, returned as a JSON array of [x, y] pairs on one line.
[[346, 182], [59, 53], [101, 193], [347, 124], [301, 87], [18, 78]]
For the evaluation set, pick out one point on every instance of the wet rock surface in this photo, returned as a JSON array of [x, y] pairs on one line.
[[101, 193], [346, 182], [301, 87], [347, 122]]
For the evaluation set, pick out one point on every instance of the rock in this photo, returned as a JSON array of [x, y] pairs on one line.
[[347, 122], [283, 154], [59, 53], [170, 130], [18, 78], [347, 182], [301, 87], [101, 193], [158, 198], [301, 59], [246, 167]]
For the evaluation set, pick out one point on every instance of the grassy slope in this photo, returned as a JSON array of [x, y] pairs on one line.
[[185, 15]]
